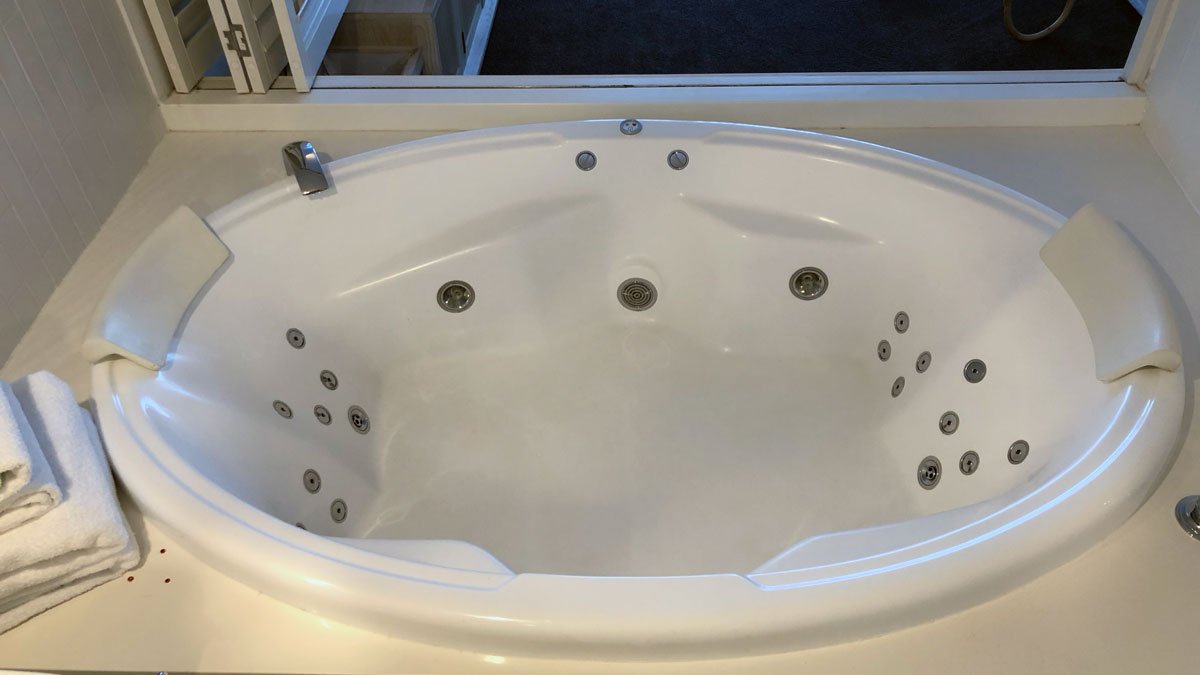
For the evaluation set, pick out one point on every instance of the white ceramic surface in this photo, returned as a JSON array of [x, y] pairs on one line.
[[726, 472], [140, 314], [1117, 290]]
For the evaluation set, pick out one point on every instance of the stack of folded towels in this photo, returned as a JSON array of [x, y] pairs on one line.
[[61, 530]]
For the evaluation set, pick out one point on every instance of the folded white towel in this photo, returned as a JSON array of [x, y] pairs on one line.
[[84, 541], [27, 485]]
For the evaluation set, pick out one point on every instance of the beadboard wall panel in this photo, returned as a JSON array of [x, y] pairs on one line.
[[77, 122]]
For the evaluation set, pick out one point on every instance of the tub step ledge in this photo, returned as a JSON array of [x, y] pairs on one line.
[[150, 296], [454, 554], [1118, 292]]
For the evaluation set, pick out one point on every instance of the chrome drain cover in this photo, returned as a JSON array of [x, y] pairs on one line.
[[586, 160], [456, 296], [637, 294], [808, 283]]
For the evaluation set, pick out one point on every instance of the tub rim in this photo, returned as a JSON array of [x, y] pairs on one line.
[[711, 614], [650, 616]]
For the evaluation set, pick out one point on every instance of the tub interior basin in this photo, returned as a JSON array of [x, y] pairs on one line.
[[550, 428]]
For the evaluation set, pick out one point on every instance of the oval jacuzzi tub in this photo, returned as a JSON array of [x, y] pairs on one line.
[[800, 390]]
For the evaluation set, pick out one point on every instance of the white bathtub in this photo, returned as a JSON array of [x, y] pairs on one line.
[[732, 470]]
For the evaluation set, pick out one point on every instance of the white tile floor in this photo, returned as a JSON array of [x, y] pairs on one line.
[[1128, 605]]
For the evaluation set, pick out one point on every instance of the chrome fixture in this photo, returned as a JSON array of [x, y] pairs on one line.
[[456, 296], [300, 160], [901, 322], [929, 473], [586, 160], [923, 361], [975, 371], [631, 127], [358, 419], [1018, 451], [637, 294], [284, 410], [312, 481], [1187, 512], [948, 422], [337, 510], [678, 160], [329, 380], [969, 462], [809, 283], [322, 414]]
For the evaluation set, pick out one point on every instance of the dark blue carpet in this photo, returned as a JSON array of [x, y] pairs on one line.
[[574, 37]]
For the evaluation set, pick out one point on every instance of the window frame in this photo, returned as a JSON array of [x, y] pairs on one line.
[[813, 100]]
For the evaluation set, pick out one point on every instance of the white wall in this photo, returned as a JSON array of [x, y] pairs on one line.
[[1173, 119], [77, 122]]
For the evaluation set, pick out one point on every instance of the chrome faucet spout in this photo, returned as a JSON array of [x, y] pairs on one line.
[[300, 160]]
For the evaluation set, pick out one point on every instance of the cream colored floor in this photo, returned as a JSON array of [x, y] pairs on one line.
[[1128, 605]]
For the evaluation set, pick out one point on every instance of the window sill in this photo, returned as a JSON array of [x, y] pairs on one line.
[[830, 106]]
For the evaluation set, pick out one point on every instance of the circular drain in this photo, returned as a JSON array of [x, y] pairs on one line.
[[949, 422], [898, 386], [901, 322], [456, 296], [631, 127], [284, 410], [969, 462], [312, 481], [637, 294], [1017, 452], [337, 510], [358, 419], [975, 371], [884, 350], [323, 415], [678, 160], [586, 160], [929, 472], [923, 361], [329, 380], [808, 283], [295, 338]]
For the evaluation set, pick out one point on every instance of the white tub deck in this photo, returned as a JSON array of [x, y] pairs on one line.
[[1124, 606]]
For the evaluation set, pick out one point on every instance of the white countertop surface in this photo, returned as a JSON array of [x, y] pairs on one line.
[[1127, 605]]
